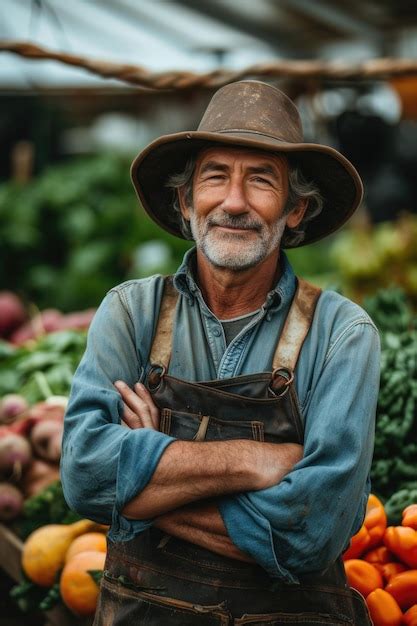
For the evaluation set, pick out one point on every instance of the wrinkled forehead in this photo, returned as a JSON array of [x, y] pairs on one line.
[[228, 153]]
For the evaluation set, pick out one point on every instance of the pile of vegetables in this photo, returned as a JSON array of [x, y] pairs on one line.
[[381, 563], [31, 421], [63, 562], [42, 367], [394, 467], [30, 450], [18, 327]]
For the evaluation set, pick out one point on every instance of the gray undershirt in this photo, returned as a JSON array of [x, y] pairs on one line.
[[233, 327]]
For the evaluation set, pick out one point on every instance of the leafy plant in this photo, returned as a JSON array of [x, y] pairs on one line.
[[72, 233]]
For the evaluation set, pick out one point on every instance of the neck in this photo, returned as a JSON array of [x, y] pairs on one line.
[[229, 293]]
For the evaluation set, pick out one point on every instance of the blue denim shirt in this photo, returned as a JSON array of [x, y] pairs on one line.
[[303, 523]]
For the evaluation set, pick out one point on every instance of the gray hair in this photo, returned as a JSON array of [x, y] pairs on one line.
[[299, 188]]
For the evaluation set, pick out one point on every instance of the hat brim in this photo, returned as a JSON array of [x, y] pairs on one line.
[[337, 179]]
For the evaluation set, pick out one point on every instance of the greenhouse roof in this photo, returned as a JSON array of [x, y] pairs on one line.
[[196, 35]]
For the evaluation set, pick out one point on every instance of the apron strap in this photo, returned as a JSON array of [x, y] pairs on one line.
[[162, 342], [286, 355], [296, 326]]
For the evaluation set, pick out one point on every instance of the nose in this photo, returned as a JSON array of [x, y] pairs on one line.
[[235, 202]]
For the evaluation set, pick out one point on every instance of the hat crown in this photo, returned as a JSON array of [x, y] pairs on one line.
[[252, 106]]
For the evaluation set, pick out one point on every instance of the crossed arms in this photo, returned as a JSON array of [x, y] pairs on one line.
[[301, 523], [190, 475]]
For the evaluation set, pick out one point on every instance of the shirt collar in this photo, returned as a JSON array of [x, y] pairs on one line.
[[278, 297]]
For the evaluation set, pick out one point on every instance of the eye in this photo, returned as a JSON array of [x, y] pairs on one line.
[[215, 177], [259, 179]]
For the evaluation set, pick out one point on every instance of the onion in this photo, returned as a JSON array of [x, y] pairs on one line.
[[46, 438], [15, 455], [11, 405], [11, 502]]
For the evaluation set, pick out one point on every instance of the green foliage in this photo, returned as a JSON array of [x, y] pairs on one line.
[[96, 575], [51, 360], [71, 234], [27, 595], [395, 456], [395, 505], [46, 507]]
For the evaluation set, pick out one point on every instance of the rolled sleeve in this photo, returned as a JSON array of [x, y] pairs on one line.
[[305, 522], [103, 464]]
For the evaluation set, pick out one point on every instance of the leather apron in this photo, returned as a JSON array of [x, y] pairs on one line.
[[157, 580]]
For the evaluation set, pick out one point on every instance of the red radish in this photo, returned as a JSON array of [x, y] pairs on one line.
[[11, 502], [47, 410], [19, 427], [38, 475], [15, 455], [46, 439], [45, 322], [12, 313], [77, 320], [11, 405]]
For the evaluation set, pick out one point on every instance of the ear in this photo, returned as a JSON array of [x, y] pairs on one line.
[[296, 215], [185, 210]]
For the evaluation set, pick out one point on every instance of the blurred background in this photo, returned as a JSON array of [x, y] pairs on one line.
[[71, 226]]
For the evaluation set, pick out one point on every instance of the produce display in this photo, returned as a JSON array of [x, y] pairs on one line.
[[63, 556], [394, 467], [381, 563], [63, 562], [377, 257], [35, 379]]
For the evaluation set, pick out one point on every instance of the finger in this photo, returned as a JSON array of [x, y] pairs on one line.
[[135, 403], [130, 418], [146, 397]]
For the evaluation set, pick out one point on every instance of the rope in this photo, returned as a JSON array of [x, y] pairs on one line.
[[180, 80]]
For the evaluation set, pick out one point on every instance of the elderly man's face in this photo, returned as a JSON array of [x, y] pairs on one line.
[[239, 195]]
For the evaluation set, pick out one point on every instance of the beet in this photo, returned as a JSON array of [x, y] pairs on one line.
[[11, 405], [45, 322], [46, 439], [15, 455], [11, 502], [12, 313]]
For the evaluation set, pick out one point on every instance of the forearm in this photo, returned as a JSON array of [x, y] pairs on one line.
[[202, 525], [192, 471]]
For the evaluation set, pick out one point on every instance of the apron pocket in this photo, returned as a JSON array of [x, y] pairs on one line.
[[306, 619], [123, 606], [187, 426]]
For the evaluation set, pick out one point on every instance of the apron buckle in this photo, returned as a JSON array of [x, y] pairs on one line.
[[281, 379], [155, 375]]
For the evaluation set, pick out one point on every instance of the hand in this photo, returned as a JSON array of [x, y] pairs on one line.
[[139, 409]]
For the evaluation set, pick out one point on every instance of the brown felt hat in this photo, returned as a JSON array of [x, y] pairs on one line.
[[255, 115]]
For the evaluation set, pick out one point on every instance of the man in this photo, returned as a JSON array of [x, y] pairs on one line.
[[249, 396]]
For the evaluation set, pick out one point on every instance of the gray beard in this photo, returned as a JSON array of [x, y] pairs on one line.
[[235, 251]]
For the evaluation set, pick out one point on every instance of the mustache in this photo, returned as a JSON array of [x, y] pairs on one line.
[[235, 221]]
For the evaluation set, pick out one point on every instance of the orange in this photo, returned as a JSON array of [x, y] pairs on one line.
[[78, 589], [88, 541]]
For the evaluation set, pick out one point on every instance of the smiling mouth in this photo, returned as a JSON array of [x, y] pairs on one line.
[[234, 228]]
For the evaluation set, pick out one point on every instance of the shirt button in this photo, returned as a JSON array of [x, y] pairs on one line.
[[217, 332]]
